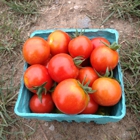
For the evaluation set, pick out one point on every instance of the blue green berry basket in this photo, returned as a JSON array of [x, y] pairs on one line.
[[117, 112]]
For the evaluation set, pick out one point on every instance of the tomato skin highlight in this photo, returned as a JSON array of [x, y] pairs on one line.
[[36, 75], [97, 41], [36, 50], [61, 67], [58, 41], [91, 108], [103, 57], [80, 46], [69, 97], [89, 74], [108, 91], [46, 105]]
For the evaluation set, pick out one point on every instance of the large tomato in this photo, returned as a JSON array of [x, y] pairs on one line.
[[103, 57], [99, 41], [91, 108], [37, 78], [58, 41], [80, 46], [107, 91], [36, 50], [45, 105], [87, 74], [61, 67], [69, 97]]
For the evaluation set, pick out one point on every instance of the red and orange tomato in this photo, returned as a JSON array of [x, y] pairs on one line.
[[107, 91], [87, 74], [35, 76], [80, 46], [58, 42], [36, 50], [91, 108], [99, 41], [45, 105], [104, 57], [61, 67], [69, 97]]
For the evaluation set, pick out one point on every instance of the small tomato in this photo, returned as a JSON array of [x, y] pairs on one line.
[[99, 41], [58, 41], [36, 50], [37, 76], [107, 91], [45, 105], [69, 97], [87, 74], [61, 67], [91, 108], [80, 46], [104, 57]]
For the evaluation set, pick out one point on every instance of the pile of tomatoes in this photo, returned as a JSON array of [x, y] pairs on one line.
[[70, 75]]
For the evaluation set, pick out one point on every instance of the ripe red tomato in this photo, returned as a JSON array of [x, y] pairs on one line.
[[103, 57], [108, 91], [61, 67], [89, 74], [91, 108], [80, 46], [69, 97], [46, 104], [35, 76], [58, 41], [36, 50], [96, 42]]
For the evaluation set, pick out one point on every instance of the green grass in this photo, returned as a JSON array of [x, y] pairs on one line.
[[130, 62], [22, 7], [130, 56], [124, 8], [16, 19], [7, 98], [121, 9], [9, 33], [11, 126]]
